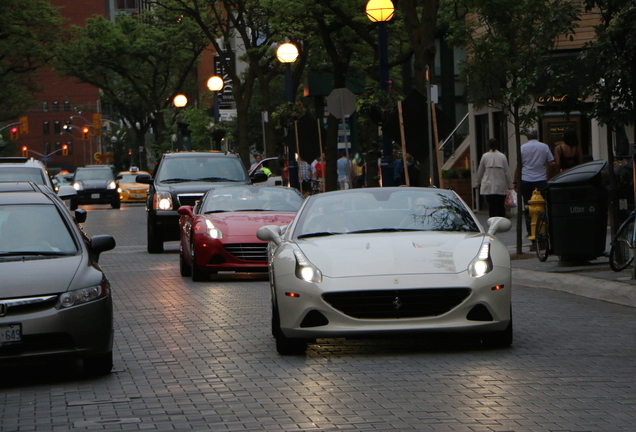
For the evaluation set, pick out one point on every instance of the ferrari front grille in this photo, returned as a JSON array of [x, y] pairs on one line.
[[248, 251], [394, 304]]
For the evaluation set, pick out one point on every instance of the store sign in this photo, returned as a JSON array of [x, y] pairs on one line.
[[226, 97], [548, 100]]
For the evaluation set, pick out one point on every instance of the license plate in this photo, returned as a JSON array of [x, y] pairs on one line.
[[10, 333], [95, 196], [137, 196]]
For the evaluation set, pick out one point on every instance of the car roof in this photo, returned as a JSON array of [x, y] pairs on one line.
[[18, 187], [22, 161], [211, 153], [25, 197]]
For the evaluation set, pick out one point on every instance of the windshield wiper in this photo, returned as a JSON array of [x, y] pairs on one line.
[[243, 210], [216, 211], [35, 253], [214, 179], [320, 234], [379, 230], [176, 180]]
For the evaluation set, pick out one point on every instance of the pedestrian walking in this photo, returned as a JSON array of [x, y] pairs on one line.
[[494, 178], [569, 154], [536, 157], [344, 172]]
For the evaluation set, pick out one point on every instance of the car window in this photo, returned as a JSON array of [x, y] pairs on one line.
[[201, 168], [22, 174], [94, 174], [388, 209], [129, 178], [251, 198], [34, 228]]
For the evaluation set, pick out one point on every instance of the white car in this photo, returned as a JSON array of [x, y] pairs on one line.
[[384, 261]]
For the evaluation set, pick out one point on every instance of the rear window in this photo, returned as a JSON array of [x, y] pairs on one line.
[[13, 174]]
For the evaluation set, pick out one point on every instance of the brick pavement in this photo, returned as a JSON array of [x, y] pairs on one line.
[[199, 356]]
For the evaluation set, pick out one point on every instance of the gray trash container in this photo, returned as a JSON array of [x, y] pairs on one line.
[[577, 204]]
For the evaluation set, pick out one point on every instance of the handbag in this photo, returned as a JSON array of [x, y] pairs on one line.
[[511, 199]]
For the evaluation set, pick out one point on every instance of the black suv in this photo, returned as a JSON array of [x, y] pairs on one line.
[[182, 179], [97, 184]]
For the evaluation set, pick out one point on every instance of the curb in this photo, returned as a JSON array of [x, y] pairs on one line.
[[609, 291]]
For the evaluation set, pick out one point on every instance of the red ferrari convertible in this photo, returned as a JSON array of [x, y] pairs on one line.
[[218, 233]]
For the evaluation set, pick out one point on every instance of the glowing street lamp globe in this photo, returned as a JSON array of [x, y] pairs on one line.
[[215, 83], [180, 101], [287, 53], [380, 10]]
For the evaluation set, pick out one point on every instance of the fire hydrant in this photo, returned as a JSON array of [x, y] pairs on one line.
[[536, 206]]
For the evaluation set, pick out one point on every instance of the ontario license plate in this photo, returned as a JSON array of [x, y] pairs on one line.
[[137, 196], [95, 196], [10, 333]]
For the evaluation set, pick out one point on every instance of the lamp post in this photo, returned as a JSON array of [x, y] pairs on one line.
[[381, 11], [183, 143], [287, 53], [215, 84]]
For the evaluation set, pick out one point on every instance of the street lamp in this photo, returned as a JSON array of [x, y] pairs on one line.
[[381, 11], [287, 53], [180, 101], [215, 84]]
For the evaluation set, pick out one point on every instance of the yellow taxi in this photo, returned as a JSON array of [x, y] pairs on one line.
[[130, 190]]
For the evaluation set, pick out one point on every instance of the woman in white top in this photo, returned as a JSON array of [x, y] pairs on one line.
[[494, 178]]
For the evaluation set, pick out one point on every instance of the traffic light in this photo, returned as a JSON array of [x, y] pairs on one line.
[[24, 125], [14, 133], [97, 123], [86, 133], [25, 151], [65, 150]]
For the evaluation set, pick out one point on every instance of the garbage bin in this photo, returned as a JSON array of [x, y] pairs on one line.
[[577, 204]]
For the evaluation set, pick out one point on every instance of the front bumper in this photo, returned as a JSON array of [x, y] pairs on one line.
[[97, 196]]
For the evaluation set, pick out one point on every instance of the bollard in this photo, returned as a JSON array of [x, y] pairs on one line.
[[536, 206]]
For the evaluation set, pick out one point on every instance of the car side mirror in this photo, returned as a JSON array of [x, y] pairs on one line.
[[101, 243], [185, 211], [80, 215], [143, 178], [269, 233], [258, 177], [498, 224]]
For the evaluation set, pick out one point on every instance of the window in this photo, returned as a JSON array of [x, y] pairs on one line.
[[46, 128], [56, 106], [67, 105], [70, 147], [47, 148], [57, 128], [45, 106]]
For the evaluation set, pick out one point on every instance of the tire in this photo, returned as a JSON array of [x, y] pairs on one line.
[[542, 237], [197, 275], [621, 254], [155, 242], [116, 204], [184, 269], [501, 339], [98, 365], [285, 345]]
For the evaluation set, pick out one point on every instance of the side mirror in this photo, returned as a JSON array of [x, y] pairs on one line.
[[498, 224], [101, 243], [66, 192], [80, 215], [270, 233], [185, 211], [258, 177], [143, 178]]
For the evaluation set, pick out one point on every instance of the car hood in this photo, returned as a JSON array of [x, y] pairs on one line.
[[33, 277], [95, 184], [248, 222], [380, 254]]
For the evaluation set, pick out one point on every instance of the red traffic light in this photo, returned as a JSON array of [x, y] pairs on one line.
[[85, 133], [25, 151], [65, 150], [14, 134]]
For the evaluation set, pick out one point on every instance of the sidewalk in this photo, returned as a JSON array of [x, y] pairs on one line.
[[594, 279]]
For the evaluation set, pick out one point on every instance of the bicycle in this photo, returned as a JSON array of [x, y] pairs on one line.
[[621, 252], [542, 237]]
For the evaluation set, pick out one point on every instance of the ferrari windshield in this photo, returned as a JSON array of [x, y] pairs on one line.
[[383, 210], [251, 198]]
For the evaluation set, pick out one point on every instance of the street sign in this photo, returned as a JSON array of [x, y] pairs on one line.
[[341, 103], [46, 159]]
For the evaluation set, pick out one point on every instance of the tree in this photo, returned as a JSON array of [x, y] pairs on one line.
[[27, 31], [139, 63], [509, 45]]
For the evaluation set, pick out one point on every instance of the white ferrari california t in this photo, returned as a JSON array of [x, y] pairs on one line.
[[387, 261]]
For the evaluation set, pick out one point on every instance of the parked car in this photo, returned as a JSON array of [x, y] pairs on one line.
[[97, 184], [55, 300], [131, 191], [219, 232], [21, 169], [182, 179], [386, 261]]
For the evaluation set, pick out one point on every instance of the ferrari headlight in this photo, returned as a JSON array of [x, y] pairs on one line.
[[305, 270], [83, 295], [163, 201], [482, 263], [111, 185], [213, 231]]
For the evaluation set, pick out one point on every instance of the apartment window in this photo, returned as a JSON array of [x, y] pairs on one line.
[[58, 145], [70, 147], [56, 106], [57, 128], [67, 105], [47, 148], [45, 106], [46, 128]]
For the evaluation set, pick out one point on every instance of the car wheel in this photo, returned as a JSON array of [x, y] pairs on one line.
[[99, 365], [116, 204], [197, 275], [501, 339], [285, 345], [184, 268], [155, 242]]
